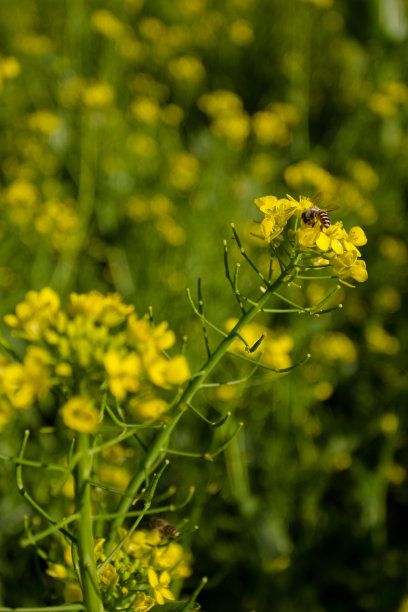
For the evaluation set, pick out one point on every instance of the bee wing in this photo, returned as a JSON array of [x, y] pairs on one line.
[[331, 207], [317, 199]]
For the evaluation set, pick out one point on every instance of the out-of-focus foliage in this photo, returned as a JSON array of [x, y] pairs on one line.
[[132, 133]]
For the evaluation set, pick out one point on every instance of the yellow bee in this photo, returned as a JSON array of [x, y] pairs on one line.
[[164, 527]]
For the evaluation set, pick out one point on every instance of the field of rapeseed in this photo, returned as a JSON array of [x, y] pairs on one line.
[[203, 268]]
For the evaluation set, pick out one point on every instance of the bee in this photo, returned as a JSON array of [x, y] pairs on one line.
[[314, 213], [164, 527]]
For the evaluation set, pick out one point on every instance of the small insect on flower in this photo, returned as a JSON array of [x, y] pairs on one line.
[[314, 213], [164, 527]]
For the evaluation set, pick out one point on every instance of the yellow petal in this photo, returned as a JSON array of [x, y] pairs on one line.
[[159, 597], [265, 204], [165, 578], [177, 370], [307, 236], [267, 226], [336, 246], [152, 578], [167, 594], [323, 241], [359, 272], [357, 236]]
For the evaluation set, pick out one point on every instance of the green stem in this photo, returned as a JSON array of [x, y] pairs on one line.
[[87, 565], [159, 444]]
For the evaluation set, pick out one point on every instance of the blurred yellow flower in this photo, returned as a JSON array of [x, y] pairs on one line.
[[44, 121], [389, 422], [98, 96], [105, 22], [380, 341], [334, 347], [241, 32], [24, 383], [147, 409], [142, 145], [219, 102], [9, 68], [123, 373], [146, 110], [183, 170], [56, 570], [79, 414], [187, 68]]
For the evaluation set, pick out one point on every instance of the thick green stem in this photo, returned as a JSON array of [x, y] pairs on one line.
[[87, 565], [194, 385]]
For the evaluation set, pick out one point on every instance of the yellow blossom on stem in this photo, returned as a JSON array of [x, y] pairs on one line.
[[147, 409], [79, 414], [123, 373], [56, 570], [108, 310], [143, 602], [277, 212], [108, 575], [348, 266], [160, 585], [23, 383], [37, 313]]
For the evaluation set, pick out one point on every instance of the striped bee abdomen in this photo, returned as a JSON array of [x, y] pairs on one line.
[[164, 527]]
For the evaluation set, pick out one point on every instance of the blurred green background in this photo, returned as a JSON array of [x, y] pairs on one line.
[[132, 134]]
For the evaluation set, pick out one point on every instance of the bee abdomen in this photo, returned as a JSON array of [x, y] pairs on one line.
[[323, 218], [164, 527]]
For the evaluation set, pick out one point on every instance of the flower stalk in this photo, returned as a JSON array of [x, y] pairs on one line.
[[162, 439], [85, 539]]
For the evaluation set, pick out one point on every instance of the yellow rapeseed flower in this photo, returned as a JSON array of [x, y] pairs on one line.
[[24, 383], [380, 341], [36, 314], [187, 68], [79, 414], [9, 68], [108, 575], [56, 570], [108, 310], [276, 212], [146, 110], [44, 121], [147, 409], [143, 602], [105, 22], [183, 170], [123, 372], [160, 585], [98, 96]]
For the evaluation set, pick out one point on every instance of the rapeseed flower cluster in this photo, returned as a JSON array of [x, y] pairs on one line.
[[230, 121], [331, 246], [138, 576], [97, 345]]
